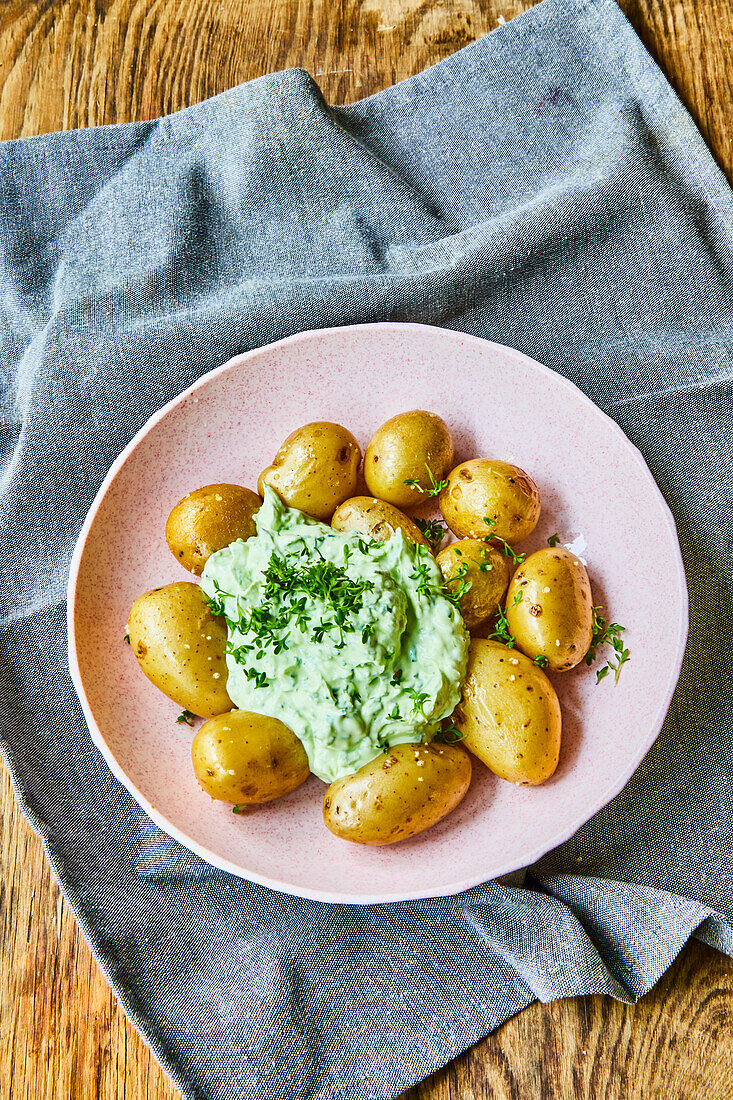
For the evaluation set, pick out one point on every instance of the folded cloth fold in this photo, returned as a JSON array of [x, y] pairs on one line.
[[543, 188]]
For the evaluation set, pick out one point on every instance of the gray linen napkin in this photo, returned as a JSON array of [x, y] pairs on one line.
[[543, 188]]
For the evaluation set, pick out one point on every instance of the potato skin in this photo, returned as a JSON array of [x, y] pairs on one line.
[[488, 585], [315, 469], [207, 520], [180, 646], [554, 617], [404, 448], [376, 519], [509, 714], [399, 794], [487, 488], [248, 758]]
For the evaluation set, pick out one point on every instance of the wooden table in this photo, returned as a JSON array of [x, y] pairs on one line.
[[67, 63]]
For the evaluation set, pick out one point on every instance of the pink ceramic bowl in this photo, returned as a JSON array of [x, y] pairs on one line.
[[596, 491]]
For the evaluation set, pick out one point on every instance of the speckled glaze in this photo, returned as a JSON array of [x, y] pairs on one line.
[[594, 484]]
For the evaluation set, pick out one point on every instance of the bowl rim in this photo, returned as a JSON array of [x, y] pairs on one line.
[[453, 888]]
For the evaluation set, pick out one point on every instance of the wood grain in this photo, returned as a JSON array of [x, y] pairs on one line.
[[87, 62], [675, 1043]]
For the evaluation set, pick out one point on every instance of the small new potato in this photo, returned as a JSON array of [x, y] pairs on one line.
[[553, 617], [399, 794], [209, 519], [509, 714], [408, 447], [315, 469], [376, 519], [248, 758], [486, 489], [486, 569], [180, 646]]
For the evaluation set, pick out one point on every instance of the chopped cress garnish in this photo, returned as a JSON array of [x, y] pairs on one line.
[[503, 545], [501, 631], [450, 733], [605, 633], [434, 532], [485, 566], [457, 586], [436, 487]]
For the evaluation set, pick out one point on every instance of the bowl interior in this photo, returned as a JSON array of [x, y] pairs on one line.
[[596, 492]]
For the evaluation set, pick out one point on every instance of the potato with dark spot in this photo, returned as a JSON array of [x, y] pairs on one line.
[[376, 519], [486, 498], [553, 613], [180, 646], [509, 714], [401, 793], [407, 456], [248, 758], [207, 520], [315, 469], [484, 569]]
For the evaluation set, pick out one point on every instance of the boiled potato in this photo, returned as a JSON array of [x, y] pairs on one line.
[[399, 794], [484, 568], [207, 520], [549, 608], [410, 447], [509, 714], [486, 489], [248, 758], [376, 519], [180, 646], [314, 469]]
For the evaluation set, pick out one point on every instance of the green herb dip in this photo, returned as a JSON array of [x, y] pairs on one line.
[[349, 642]]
